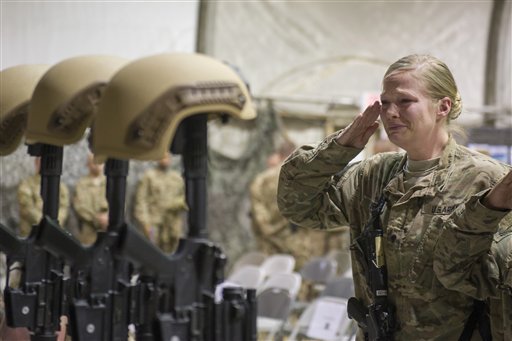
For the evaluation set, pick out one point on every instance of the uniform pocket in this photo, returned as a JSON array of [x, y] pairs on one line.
[[421, 272]]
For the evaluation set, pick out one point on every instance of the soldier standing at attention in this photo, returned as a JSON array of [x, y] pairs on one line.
[[160, 203], [90, 202], [419, 189], [273, 232], [31, 203]]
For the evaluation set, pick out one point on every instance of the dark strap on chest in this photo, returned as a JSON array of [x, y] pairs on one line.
[[479, 319]]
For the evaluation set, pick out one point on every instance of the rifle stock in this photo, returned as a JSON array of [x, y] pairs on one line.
[[40, 299], [60, 243], [9, 242], [143, 254]]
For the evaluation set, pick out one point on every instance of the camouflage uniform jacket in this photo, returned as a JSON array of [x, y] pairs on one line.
[[31, 203], [478, 272], [318, 189], [501, 309], [159, 192], [274, 232], [88, 202]]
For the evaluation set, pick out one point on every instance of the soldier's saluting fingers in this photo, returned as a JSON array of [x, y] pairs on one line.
[[362, 127]]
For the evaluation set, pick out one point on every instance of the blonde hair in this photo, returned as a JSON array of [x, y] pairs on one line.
[[435, 75]]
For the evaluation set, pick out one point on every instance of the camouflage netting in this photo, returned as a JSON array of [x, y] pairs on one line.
[[228, 204], [229, 180]]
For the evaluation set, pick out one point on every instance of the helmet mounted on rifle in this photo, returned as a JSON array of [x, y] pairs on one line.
[[18, 83], [65, 100], [147, 99]]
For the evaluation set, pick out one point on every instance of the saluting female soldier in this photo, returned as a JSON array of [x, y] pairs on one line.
[[420, 188]]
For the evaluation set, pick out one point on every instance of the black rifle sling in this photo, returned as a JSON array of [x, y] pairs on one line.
[[479, 318], [376, 209]]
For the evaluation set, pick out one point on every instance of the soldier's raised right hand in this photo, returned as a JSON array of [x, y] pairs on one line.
[[362, 127]]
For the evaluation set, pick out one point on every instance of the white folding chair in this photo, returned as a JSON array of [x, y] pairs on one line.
[[315, 273], [274, 306], [278, 263], [287, 281], [249, 258], [248, 276], [339, 286], [319, 270], [324, 319]]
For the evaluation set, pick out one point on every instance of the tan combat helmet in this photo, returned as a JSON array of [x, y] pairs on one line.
[[65, 99], [147, 99], [17, 86]]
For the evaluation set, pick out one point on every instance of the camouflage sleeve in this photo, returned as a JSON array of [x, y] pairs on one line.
[[462, 260], [506, 304], [141, 210], [261, 212], [63, 204], [81, 204], [501, 308], [178, 204], [501, 249], [308, 194], [28, 210]]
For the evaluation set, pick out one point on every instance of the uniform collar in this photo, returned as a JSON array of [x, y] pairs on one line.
[[443, 172], [433, 182], [448, 154]]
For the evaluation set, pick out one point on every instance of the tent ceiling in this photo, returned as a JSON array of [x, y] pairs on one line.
[[341, 49]]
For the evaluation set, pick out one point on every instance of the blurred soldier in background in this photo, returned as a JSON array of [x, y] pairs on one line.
[[160, 203], [274, 233], [31, 203], [90, 202]]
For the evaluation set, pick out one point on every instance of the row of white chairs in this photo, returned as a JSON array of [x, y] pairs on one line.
[[267, 263], [276, 295], [286, 262], [324, 319], [254, 269], [278, 286]]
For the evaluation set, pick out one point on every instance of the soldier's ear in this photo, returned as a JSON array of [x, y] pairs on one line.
[[444, 106]]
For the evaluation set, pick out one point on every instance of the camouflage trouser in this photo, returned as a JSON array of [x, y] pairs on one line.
[[501, 317], [507, 315], [170, 231]]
